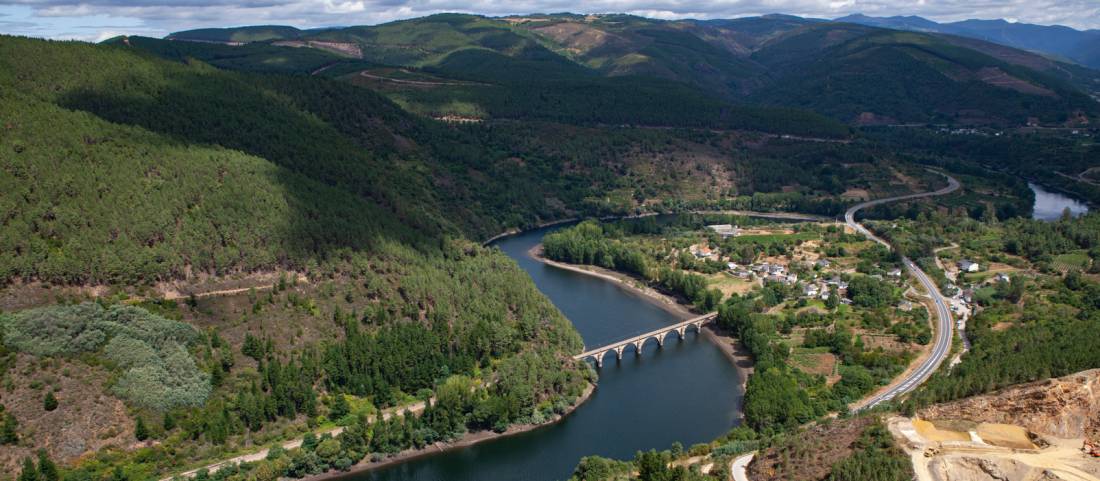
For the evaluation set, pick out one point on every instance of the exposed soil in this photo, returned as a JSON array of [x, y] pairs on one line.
[[810, 454], [1066, 407], [88, 418], [1030, 432]]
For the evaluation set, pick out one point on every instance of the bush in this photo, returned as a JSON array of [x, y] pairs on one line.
[[150, 350]]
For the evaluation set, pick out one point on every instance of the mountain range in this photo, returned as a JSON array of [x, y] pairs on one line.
[[850, 71], [1082, 47]]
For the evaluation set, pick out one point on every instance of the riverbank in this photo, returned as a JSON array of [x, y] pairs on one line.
[[730, 346], [515, 230], [467, 440]]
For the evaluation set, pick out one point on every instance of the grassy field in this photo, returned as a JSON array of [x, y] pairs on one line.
[[1073, 260]]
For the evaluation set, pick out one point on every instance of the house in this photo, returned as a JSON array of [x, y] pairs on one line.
[[810, 290], [776, 269], [894, 273], [1002, 277], [822, 263], [702, 252], [840, 285], [905, 306], [968, 266], [724, 230], [732, 266]]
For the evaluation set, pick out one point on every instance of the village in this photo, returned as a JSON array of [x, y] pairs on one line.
[[818, 278], [805, 268]]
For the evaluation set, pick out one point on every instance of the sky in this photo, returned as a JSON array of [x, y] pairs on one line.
[[95, 20]]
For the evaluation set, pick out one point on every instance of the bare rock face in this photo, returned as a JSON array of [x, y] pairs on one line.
[[982, 469], [1066, 407]]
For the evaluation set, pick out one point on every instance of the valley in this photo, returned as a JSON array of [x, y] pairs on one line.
[[384, 252]]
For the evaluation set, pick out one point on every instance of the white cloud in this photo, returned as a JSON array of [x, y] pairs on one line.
[[85, 18]]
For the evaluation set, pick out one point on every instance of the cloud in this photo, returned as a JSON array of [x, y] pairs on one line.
[[58, 18]]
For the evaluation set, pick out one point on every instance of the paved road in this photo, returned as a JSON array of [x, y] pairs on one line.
[[944, 323], [737, 467]]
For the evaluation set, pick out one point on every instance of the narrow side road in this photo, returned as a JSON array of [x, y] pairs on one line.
[[737, 467], [944, 323], [295, 443]]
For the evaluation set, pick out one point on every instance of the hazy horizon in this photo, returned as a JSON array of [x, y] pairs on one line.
[[95, 20]]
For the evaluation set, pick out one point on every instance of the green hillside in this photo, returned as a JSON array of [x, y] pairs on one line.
[[849, 71], [853, 73], [617, 45], [258, 33], [122, 171]]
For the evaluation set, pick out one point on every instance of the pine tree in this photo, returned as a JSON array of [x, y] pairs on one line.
[[50, 402], [8, 425], [140, 431], [169, 422], [340, 407], [30, 472], [309, 442], [47, 470]]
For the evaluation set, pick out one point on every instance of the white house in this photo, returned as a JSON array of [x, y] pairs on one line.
[[968, 266], [724, 230]]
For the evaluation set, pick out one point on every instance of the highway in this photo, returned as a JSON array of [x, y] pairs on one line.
[[944, 323]]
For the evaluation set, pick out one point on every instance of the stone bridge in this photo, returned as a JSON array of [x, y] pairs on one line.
[[659, 335]]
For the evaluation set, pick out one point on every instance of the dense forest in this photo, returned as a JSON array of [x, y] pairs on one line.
[[139, 171]]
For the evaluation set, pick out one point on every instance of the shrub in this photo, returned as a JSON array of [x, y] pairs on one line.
[[149, 350]]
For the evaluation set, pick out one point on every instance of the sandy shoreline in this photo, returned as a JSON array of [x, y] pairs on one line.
[[730, 346]]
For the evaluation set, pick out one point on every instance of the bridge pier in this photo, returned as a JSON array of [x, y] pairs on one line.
[[682, 331], [599, 359], [619, 352], [661, 339], [638, 347]]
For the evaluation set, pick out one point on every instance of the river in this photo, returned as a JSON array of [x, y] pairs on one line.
[[687, 391], [1050, 205]]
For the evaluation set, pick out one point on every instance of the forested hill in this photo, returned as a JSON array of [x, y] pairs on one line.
[[119, 166], [853, 73], [124, 176]]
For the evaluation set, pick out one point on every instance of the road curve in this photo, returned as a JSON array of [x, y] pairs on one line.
[[944, 323], [737, 467]]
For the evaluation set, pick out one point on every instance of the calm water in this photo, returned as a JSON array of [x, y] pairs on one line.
[[1050, 205], [688, 391]]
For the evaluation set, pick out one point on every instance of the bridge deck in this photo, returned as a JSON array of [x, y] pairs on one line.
[[640, 337]]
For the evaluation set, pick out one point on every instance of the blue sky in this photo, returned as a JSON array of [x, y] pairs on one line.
[[94, 20]]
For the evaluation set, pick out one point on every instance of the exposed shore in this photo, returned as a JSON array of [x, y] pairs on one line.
[[733, 349], [468, 439]]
